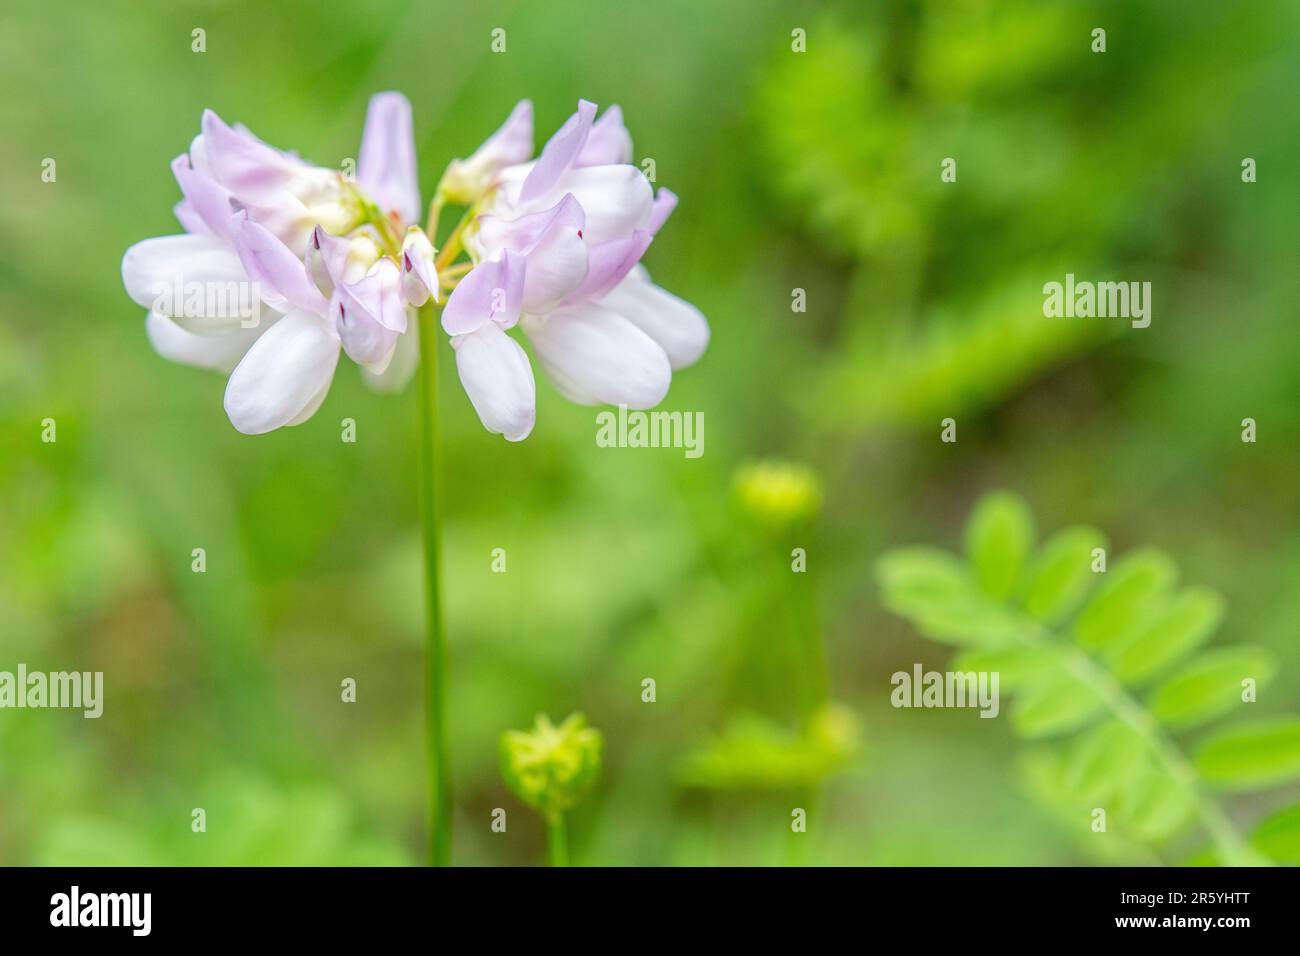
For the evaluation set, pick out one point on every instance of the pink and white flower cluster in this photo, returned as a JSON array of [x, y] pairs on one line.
[[557, 252], [339, 265]]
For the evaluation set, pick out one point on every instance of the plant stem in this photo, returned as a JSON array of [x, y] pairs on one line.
[[557, 843], [431, 492], [809, 646], [452, 247]]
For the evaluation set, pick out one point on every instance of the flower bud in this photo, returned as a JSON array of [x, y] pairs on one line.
[[551, 768], [419, 275], [778, 493], [467, 179]]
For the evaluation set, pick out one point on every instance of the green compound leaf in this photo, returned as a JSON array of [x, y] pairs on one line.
[[1210, 685], [1062, 574], [1131, 592], [1170, 632], [1017, 667], [1070, 643], [937, 592], [1057, 705], [1262, 753], [1157, 807], [999, 538], [1105, 762]]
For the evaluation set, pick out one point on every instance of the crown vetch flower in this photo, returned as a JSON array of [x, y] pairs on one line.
[[325, 256], [570, 229]]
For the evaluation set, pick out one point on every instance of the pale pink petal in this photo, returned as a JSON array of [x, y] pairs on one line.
[[608, 263], [285, 283], [608, 143], [209, 200], [616, 200], [386, 167], [664, 204], [492, 291], [512, 144], [559, 153], [551, 241], [419, 272]]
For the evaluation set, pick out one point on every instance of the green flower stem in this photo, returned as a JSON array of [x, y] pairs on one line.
[[453, 247], [431, 492], [1232, 850], [812, 648], [557, 843]]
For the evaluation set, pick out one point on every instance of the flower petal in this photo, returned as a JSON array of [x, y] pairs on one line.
[[664, 204], [243, 164], [332, 260], [492, 290], [609, 262], [386, 166], [283, 374], [369, 316], [419, 271], [285, 283], [209, 199], [609, 141], [466, 179], [195, 279], [378, 295], [220, 352], [559, 153], [190, 220], [677, 326], [498, 379], [595, 355], [553, 244], [401, 366], [333, 253], [616, 199]]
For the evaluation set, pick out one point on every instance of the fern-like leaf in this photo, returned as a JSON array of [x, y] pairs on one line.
[[1106, 667]]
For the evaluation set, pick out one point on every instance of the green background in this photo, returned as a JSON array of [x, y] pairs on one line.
[[816, 170]]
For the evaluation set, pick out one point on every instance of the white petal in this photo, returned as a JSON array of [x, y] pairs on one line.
[[195, 279], [497, 378], [311, 407], [406, 358], [283, 374], [616, 199], [595, 355], [220, 352], [679, 328]]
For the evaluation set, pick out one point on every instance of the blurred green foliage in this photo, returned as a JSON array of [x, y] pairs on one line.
[[817, 171]]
